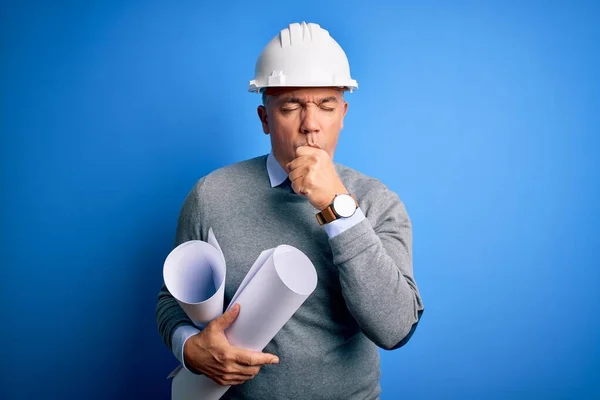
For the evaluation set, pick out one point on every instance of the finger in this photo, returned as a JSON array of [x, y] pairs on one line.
[[298, 173], [236, 378], [222, 322], [298, 187], [234, 368], [297, 163], [306, 151], [247, 371], [244, 357], [225, 381]]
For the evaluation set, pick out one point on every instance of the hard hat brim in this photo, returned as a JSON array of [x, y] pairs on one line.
[[253, 88]]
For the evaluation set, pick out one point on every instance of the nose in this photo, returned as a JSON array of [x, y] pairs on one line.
[[309, 120]]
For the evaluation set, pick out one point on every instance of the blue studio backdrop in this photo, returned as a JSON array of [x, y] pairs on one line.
[[482, 116]]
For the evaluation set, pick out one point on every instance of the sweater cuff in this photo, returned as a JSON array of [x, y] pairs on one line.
[[341, 225], [353, 242]]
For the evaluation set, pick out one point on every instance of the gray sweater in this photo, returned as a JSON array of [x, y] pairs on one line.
[[366, 294]]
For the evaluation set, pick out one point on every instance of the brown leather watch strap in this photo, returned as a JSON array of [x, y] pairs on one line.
[[326, 216]]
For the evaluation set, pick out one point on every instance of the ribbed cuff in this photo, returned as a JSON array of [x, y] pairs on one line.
[[353, 242]]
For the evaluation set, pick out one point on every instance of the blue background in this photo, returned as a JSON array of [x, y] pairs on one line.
[[483, 116]]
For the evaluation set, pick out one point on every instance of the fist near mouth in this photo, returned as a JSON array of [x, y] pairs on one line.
[[313, 175]]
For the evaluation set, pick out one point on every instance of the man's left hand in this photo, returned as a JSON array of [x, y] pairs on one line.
[[313, 175]]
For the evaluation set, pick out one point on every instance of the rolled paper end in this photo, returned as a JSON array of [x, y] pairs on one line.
[[194, 274], [295, 270]]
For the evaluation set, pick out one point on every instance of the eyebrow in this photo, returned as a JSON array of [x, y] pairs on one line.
[[330, 99], [296, 100]]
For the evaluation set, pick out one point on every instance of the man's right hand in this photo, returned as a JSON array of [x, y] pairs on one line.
[[210, 353]]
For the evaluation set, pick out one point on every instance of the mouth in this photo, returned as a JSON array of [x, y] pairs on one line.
[[310, 143]]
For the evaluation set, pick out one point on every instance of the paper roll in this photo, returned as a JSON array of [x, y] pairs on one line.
[[194, 273], [275, 287]]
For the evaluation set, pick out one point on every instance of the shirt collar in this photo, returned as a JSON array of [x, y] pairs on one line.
[[276, 173]]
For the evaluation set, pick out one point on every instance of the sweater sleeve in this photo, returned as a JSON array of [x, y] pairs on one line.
[[169, 314], [374, 259]]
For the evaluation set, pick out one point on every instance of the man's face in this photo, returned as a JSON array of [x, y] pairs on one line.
[[297, 117]]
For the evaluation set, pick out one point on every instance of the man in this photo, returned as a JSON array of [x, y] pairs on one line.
[[355, 231]]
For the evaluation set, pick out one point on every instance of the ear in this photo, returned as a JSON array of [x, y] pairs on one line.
[[344, 111], [262, 115]]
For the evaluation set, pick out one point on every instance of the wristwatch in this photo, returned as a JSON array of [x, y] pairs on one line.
[[342, 206]]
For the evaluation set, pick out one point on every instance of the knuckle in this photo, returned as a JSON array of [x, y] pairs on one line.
[[225, 316], [220, 356], [221, 382], [230, 379], [211, 327], [229, 369], [217, 320], [244, 360], [265, 359]]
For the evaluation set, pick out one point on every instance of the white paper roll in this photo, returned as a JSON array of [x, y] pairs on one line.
[[277, 285], [272, 296], [194, 274]]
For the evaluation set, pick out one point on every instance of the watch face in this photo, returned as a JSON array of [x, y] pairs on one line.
[[344, 205]]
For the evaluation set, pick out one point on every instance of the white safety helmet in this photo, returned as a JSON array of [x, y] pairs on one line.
[[302, 55]]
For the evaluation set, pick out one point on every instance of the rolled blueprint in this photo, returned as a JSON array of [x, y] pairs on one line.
[[275, 287], [194, 274]]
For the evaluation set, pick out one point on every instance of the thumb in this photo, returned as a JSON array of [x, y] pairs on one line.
[[225, 320]]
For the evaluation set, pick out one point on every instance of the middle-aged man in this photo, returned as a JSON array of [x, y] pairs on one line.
[[353, 228]]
